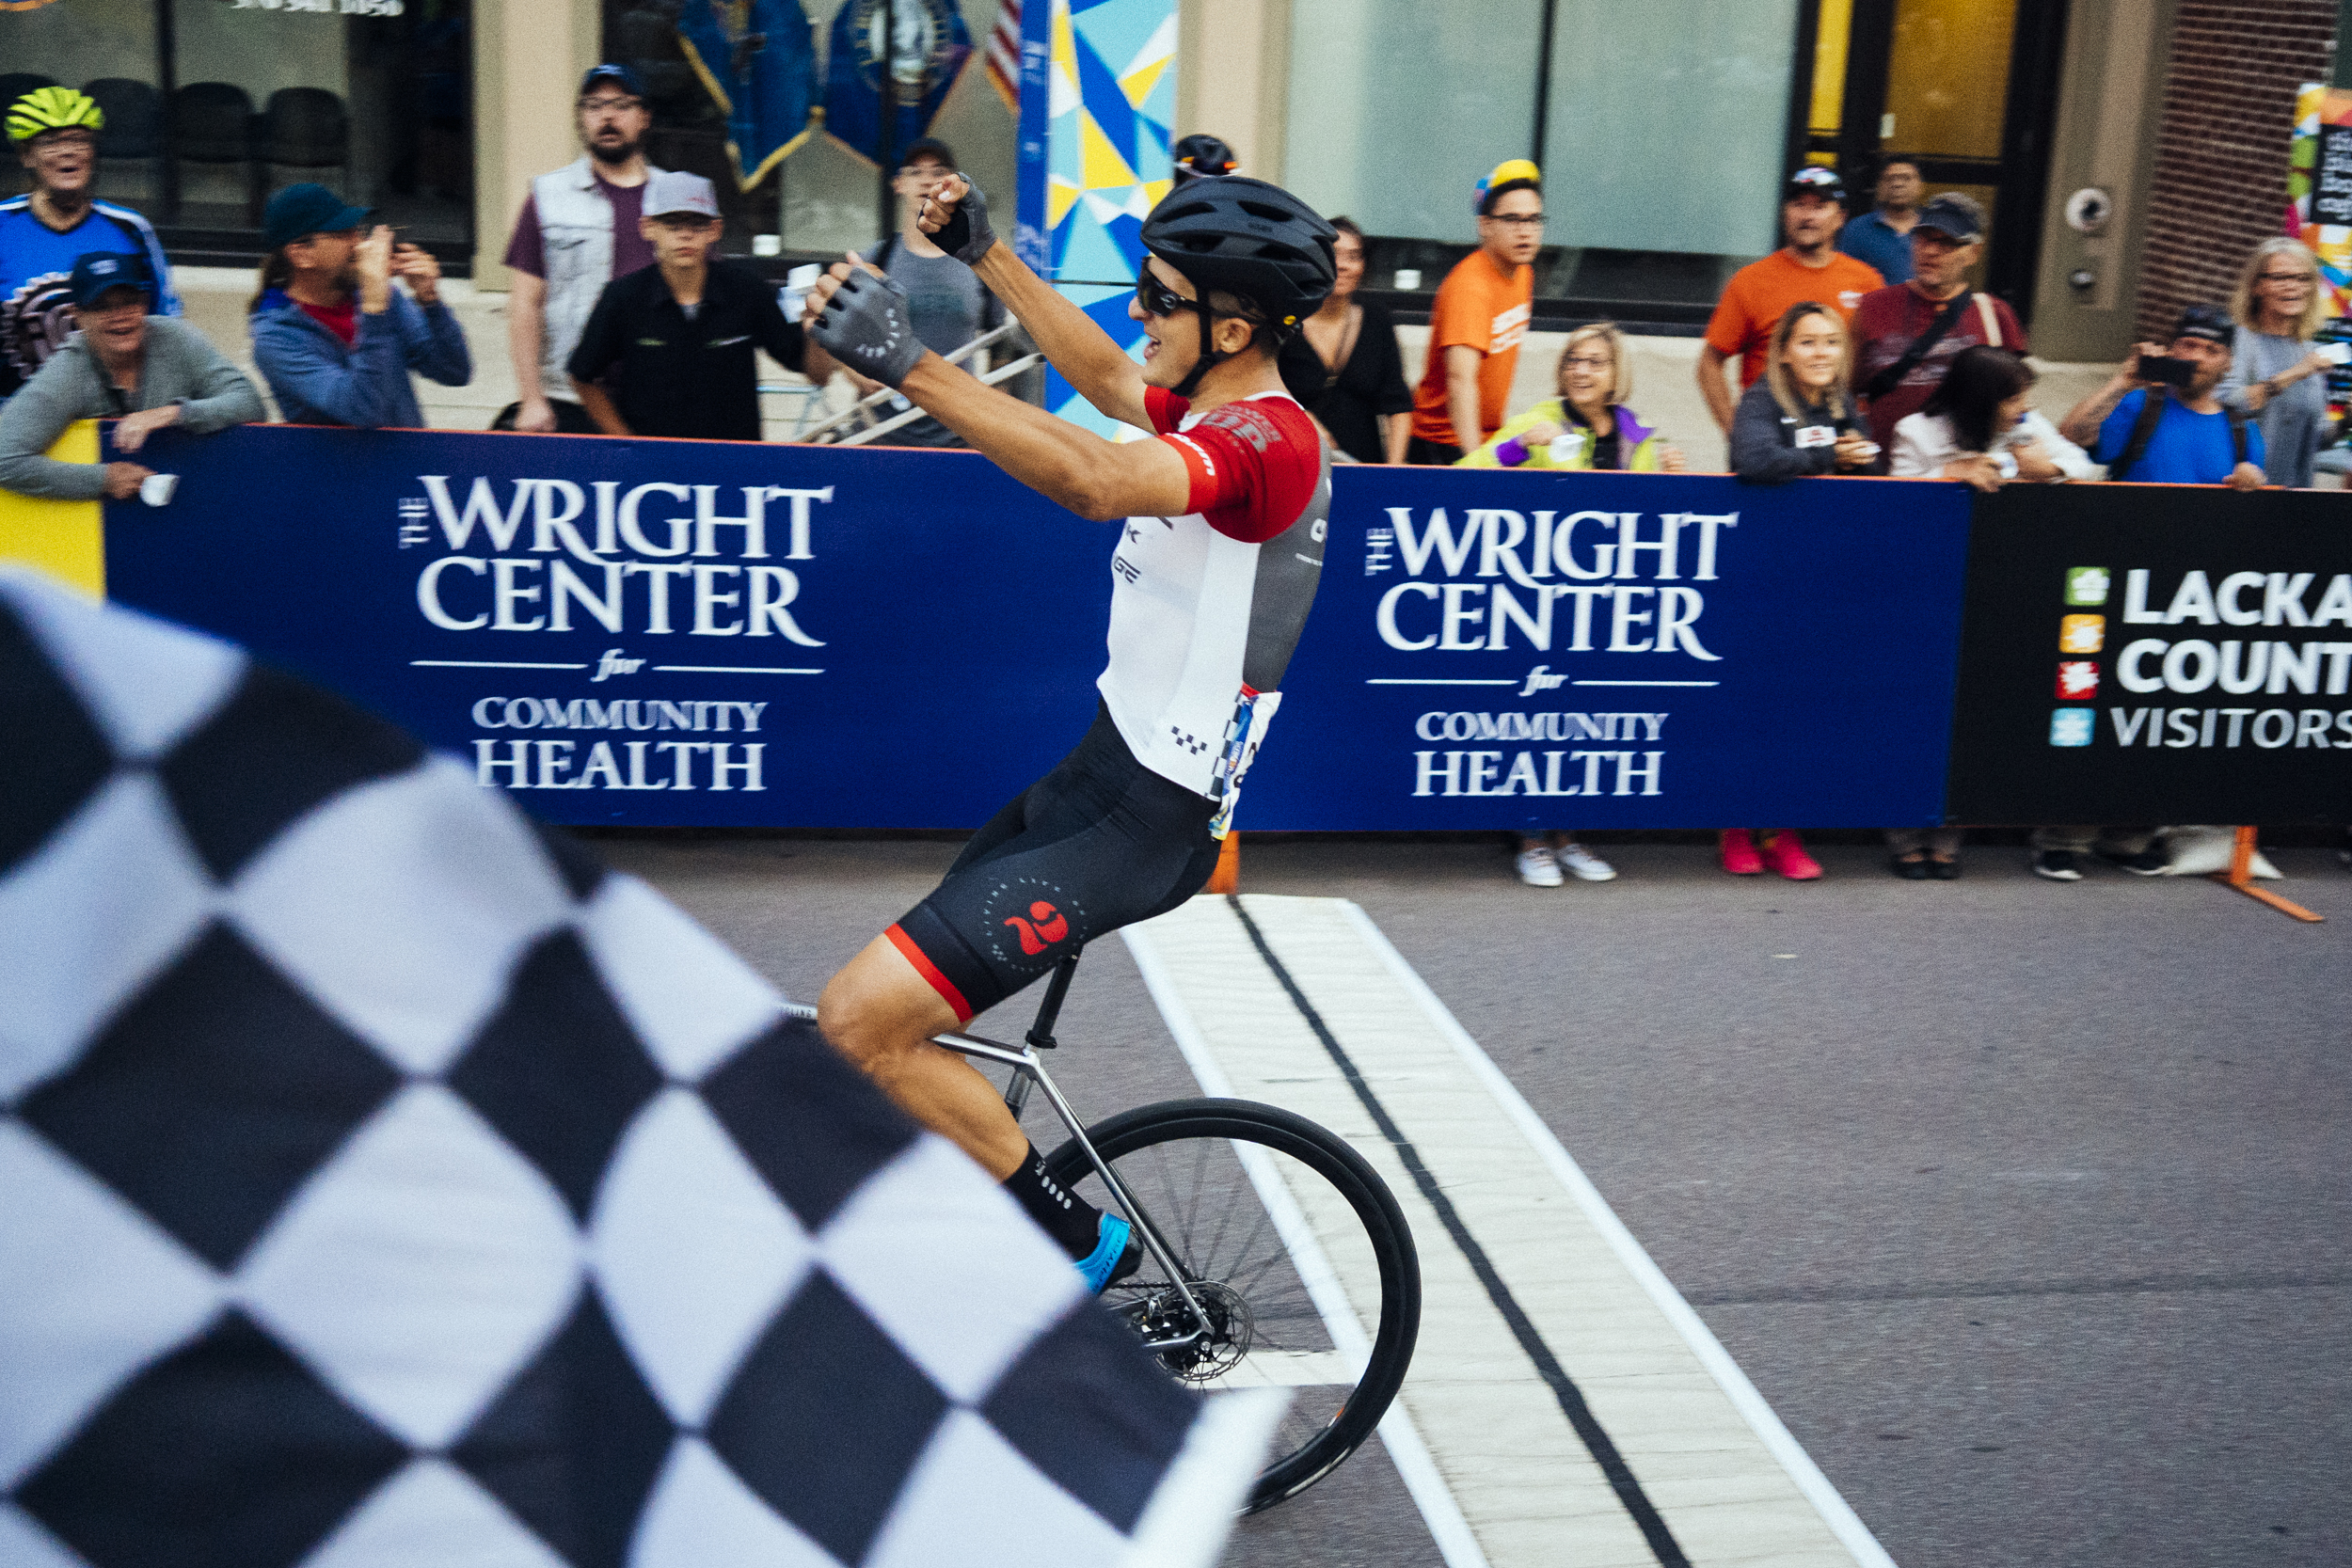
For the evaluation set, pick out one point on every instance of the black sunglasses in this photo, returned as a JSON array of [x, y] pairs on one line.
[[1157, 299]]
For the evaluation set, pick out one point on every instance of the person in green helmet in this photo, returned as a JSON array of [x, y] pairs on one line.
[[54, 131]]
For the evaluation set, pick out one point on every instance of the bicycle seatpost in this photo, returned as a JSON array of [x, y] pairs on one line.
[[1041, 1035]]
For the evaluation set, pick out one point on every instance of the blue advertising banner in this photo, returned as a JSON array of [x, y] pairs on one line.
[[701, 633], [1604, 650]]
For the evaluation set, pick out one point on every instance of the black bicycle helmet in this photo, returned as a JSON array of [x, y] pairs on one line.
[[1254, 241]]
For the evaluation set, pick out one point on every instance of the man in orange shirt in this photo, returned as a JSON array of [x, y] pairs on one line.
[[1481, 314], [1812, 210]]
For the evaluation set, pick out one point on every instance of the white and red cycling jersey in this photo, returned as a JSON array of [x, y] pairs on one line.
[[1207, 607]]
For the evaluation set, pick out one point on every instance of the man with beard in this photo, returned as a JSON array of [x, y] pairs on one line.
[[54, 131], [331, 335], [578, 231], [1808, 268]]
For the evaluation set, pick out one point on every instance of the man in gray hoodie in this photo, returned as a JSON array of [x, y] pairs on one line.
[[145, 371]]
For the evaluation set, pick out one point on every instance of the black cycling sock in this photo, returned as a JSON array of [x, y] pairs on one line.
[[1067, 1217]]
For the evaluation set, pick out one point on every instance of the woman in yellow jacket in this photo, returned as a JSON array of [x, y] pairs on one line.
[[1587, 425]]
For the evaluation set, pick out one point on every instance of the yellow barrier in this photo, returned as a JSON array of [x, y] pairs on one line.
[[65, 539]]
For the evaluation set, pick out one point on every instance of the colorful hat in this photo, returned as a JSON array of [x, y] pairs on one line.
[[1503, 173]]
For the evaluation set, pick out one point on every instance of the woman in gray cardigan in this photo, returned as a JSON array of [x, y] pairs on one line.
[[146, 371], [2275, 374]]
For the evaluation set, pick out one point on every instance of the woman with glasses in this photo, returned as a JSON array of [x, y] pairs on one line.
[[1344, 365], [2275, 374], [1588, 425]]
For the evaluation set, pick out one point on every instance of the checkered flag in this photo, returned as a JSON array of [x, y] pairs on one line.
[[384, 1182]]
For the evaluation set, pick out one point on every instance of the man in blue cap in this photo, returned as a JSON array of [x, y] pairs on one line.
[[145, 371], [331, 335]]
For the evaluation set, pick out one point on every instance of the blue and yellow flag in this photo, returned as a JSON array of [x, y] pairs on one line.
[[929, 53], [759, 64]]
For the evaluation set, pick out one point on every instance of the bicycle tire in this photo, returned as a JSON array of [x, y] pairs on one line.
[[1263, 1299]]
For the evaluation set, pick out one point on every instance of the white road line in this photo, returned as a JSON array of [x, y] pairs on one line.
[[1729, 1480], [1454, 1539], [1834, 1510]]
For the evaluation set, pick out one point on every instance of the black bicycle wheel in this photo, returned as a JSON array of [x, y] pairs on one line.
[[1221, 1181]]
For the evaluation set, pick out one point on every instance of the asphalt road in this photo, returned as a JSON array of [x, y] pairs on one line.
[[2024, 1205]]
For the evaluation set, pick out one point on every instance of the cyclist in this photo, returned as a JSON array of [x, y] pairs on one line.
[[1213, 572], [54, 131]]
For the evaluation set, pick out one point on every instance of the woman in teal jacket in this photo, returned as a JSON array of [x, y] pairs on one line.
[[1587, 425]]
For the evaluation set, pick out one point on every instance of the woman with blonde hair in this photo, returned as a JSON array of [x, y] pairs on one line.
[[1588, 425], [2274, 372], [1796, 420]]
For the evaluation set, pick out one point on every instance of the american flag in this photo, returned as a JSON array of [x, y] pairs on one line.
[[1004, 54]]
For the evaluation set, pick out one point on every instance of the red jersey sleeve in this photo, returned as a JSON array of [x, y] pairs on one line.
[[1164, 408], [1254, 465]]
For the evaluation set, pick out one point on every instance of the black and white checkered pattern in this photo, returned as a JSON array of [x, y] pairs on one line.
[[386, 1183]]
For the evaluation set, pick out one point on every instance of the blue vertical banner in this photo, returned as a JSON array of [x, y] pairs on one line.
[[926, 52], [1098, 105], [758, 63]]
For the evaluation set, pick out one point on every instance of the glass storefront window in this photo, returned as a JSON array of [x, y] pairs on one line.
[[1662, 138], [1664, 145], [1396, 107], [212, 104]]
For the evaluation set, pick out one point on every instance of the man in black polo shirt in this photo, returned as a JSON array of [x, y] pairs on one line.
[[668, 349]]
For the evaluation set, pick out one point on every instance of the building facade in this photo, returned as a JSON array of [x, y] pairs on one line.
[[2130, 152]]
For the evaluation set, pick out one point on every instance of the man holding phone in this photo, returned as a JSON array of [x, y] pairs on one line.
[[2157, 421], [331, 335]]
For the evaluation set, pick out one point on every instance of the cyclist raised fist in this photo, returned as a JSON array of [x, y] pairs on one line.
[[1214, 568]]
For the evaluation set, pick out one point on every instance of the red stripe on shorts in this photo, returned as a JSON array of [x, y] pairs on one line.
[[930, 971]]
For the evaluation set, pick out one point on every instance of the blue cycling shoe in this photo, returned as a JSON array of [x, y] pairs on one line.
[[1116, 1254]]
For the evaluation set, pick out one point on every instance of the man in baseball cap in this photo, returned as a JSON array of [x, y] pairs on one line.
[[576, 232], [2159, 421], [1906, 334], [333, 337], [668, 349], [142, 370], [1479, 319], [1808, 267]]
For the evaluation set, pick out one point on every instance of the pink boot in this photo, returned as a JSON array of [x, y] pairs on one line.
[[1784, 853], [1738, 853]]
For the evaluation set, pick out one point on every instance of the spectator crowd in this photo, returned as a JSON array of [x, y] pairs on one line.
[[1860, 346]]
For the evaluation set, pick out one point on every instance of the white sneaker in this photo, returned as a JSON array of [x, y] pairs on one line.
[[1538, 869], [1583, 864]]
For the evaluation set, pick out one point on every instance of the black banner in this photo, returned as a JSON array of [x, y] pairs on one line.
[[2152, 653]]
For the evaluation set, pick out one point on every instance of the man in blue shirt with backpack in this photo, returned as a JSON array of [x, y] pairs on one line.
[[2170, 428]]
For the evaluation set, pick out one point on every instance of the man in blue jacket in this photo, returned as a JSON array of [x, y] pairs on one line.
[[333, 337]]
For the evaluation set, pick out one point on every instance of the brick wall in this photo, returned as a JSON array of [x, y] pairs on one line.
[[2219, 184]]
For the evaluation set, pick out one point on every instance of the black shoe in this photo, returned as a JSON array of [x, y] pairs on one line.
[[1912, 868], [2151, 861], [1944, 871], [2059, 866]]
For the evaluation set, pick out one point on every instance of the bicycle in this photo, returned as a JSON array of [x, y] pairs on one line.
[[1240, 1207]]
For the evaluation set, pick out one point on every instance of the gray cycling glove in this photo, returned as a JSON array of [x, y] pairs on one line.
[[966, 236], [864, 326]]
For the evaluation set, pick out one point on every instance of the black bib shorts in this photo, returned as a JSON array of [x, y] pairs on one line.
[[1099, 842]]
